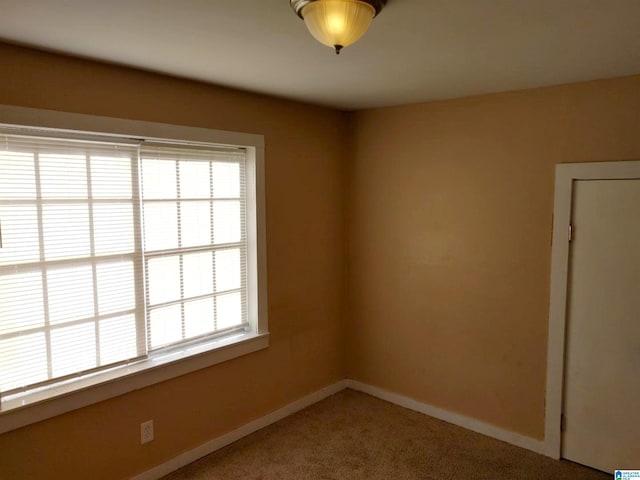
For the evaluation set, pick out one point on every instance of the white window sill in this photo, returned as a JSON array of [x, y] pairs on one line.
[[21, 410]]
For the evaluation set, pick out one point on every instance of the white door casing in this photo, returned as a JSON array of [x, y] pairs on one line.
[[566, 176]]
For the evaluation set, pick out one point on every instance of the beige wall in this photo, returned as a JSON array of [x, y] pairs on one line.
[[449, 221], [447, 208], [304, 183]]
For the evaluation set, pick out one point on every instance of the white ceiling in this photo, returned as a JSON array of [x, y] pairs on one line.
[[416, 50]]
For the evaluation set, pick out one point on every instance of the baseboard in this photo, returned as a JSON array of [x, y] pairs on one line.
[[469, 423], [217, 443]]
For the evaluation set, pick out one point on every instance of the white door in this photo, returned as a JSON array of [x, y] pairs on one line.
[[601, 404]]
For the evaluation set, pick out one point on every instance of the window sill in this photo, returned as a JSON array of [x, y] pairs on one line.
[[21, 410]]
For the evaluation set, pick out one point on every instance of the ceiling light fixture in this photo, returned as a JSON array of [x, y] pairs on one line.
[[337, 23]]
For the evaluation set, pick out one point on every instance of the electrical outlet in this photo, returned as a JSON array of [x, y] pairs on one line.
[[146, 431]]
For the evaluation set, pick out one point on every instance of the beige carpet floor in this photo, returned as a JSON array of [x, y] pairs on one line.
[[352, 436]]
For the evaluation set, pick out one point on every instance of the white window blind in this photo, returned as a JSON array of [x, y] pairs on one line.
[[194, 204], [113, 251]]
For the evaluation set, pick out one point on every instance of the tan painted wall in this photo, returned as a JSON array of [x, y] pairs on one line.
[[304, 183], [449, 240], [449, 218]]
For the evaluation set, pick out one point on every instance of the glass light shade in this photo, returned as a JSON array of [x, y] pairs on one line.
[[338, 23]]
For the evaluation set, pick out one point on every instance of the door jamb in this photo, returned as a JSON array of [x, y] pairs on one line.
[[566, 174]]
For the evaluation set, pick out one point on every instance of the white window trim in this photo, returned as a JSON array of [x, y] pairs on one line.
[[120, 380]]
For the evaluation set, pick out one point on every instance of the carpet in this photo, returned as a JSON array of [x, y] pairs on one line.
[[353, 436]]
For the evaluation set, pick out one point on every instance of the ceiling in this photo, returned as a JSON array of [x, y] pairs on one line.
[[416, 50]]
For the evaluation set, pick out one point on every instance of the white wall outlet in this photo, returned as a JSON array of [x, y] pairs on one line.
[[146, 431]]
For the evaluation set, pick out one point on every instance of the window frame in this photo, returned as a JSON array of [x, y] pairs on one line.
[[67, 396]]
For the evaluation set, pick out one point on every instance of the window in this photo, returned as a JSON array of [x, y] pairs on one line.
[[194, 243], [120, 255]]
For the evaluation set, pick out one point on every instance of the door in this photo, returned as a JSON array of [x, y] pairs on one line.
[[601, 402]]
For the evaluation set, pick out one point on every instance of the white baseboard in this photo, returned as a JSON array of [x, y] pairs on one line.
[[217, 443], [450, 417]]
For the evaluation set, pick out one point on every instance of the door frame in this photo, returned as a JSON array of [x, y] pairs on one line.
[[565, 176]]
